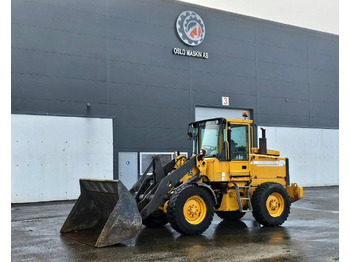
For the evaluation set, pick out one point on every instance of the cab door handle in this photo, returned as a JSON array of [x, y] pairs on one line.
[[244, 167]]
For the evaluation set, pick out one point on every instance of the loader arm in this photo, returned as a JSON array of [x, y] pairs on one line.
[[158, 194]]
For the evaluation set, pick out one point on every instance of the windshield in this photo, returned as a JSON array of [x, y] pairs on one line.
[[210, 137]]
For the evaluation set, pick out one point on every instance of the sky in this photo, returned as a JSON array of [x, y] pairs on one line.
[[320, 15]]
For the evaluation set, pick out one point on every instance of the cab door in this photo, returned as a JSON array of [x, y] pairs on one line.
[[238, 139]]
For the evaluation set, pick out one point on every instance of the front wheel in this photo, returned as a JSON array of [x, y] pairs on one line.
[[190, 209], [271, 204]]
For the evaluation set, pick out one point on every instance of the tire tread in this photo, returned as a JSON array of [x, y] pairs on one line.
[[173, 209], [259, 204]]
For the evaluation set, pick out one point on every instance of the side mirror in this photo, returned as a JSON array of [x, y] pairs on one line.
[[189, 136]]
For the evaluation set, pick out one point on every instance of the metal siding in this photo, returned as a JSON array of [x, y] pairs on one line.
[[325, 110], [152, 12], [282, 72], [320, 93], [57, 41], [220, 25], [88, 6], [152, 139], [324, 77], [145, 54], [29, 86], [57, 65], [278, 35], [323, 62], [215, 99], [281, 107], [25, 105], [234, 48], [80, 109], [151, 117], [283, 89], [148, 75], [321, 121], [230, 84], [51, 16], [323, 44], [281, 55], [284, 120], [143, 31], [228, 66], [149, 96]]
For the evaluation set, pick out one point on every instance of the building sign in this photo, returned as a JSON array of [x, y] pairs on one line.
[[225, 101], [191, 30], [188, 52]]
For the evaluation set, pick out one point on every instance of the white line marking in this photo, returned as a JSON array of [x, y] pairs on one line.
[[319, 210]]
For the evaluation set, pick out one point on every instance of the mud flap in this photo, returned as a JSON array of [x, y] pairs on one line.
[[105, 214]]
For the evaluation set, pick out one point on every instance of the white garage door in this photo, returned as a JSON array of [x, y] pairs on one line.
[[313, 153], [209, 112], [49, 154]]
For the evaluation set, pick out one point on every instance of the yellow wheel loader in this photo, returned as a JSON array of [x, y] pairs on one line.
[[225, 175]]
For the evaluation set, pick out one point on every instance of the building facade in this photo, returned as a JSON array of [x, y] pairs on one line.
[[100, 86]]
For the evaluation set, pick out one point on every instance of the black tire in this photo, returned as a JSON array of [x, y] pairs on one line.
[[177, 202], [230, 215], [264, 196], [156, 219]]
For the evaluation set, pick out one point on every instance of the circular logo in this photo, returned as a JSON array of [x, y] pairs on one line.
[[190, 28]]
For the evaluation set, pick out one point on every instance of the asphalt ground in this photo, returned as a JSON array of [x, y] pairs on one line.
[[311, 233]]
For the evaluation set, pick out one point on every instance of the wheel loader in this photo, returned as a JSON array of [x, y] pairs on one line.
[[225, 175]]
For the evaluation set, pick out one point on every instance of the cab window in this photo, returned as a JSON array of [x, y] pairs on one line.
[[238, 142]]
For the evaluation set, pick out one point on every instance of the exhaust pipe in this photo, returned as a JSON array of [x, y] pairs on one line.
[[262, 142]]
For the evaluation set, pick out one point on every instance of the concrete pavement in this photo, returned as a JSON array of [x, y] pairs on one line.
[[311, 233]]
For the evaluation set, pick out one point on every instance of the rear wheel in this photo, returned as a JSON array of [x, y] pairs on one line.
[[156, 219], [230, 215], [271, 204], [190, 209]]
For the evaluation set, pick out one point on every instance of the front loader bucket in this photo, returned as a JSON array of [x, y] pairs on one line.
[[105, 214]]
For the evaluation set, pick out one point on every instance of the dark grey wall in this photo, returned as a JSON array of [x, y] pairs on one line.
[[117, 56]]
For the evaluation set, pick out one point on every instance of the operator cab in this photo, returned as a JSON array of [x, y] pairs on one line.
[[224, 139]]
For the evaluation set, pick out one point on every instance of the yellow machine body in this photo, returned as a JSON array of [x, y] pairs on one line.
[[255, 170]]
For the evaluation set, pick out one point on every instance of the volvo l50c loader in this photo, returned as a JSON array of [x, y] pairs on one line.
[[225, 175]]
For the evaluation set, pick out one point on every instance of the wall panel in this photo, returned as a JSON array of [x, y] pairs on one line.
[[50, 154]]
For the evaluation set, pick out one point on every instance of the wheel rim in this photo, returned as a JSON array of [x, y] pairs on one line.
[[195, 210], [275, 204]]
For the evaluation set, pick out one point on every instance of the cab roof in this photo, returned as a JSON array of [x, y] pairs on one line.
[[223, 120]]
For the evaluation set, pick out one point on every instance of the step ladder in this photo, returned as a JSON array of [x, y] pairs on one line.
[[247, 197]]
